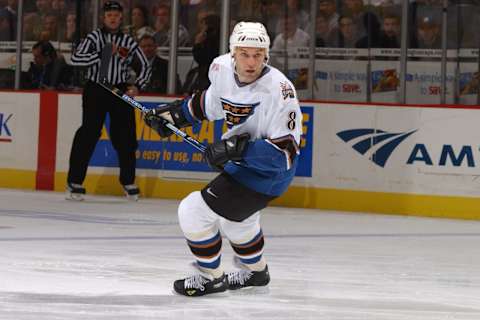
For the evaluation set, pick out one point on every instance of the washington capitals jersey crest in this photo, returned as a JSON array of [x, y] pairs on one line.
[[237, 113]]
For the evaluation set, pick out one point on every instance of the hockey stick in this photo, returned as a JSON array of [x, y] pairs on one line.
[[132, 102]]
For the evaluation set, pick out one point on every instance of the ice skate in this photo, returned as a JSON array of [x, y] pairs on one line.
[[244, 278], [131, 191], [200, 284], [75, 192]]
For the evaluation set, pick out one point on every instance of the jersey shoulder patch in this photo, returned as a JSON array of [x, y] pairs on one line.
[[280, 81], [287, 90]]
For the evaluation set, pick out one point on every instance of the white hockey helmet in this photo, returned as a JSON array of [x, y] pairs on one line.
[[250, 34]]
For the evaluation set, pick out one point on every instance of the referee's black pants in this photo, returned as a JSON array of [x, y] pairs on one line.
[[96, 103]]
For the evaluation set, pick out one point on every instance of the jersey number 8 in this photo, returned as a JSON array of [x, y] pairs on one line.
[[292, 116]]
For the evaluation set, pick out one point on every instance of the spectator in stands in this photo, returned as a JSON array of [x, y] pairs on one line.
[[346, 35], [291, 35], [205, 48], [47, 71], [419, 9], [428, 33], [12, 6], [34, 20], [372, 27], [201, 14], [139, 23], [292, 7], [356, 9], [68, 33], [389, 8], [162, 29], [390, 35], [30, 33], [271, 12], [158, 79], [43, 7], [49, 28], [321, 31], [59, 7], [6, 33], [328, 9], [247, 8], [9, 21], [189, 12]]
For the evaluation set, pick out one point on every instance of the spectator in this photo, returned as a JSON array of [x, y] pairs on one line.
[[12, 6], [68, 33], [189, 12], [59, 7], [390, 35], [322, 31], [9, 25], [159, 66], [291, 36], [162, 29], [247, 8], [389, 8], [205, 49], [50, 28], [201, 14], [356, 10], [292, 7], [29, 24], [372, 26], [271, 12], [346, 35], [139, 20], [419, 9], [33, 20], [328, 10], [43, 7], [6, 32], [47, 71], [428, 33]]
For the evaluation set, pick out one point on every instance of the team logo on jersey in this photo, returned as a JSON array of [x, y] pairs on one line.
[[237, 113], [287, 91]]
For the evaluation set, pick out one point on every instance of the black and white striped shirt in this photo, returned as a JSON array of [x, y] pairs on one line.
[[89, 51]]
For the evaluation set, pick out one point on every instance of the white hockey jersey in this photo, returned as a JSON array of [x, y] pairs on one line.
[[267, 109]]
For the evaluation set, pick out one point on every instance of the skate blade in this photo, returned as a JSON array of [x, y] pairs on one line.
[[251, 291], [74, 196], [132, 198], [225, 293]]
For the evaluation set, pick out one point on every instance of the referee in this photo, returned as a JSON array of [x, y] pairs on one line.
[[112, 68]]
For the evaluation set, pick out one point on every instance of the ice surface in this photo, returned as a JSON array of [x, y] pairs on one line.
[[107, 258]]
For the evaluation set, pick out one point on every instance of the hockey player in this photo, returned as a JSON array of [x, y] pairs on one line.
[[257, 157]]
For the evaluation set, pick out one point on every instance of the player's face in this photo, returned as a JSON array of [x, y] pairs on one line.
[[249, 63], [112, 19]]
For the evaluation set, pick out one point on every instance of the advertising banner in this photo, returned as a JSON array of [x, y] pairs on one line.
[[398, 149], [174, 154], [19, 114]]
